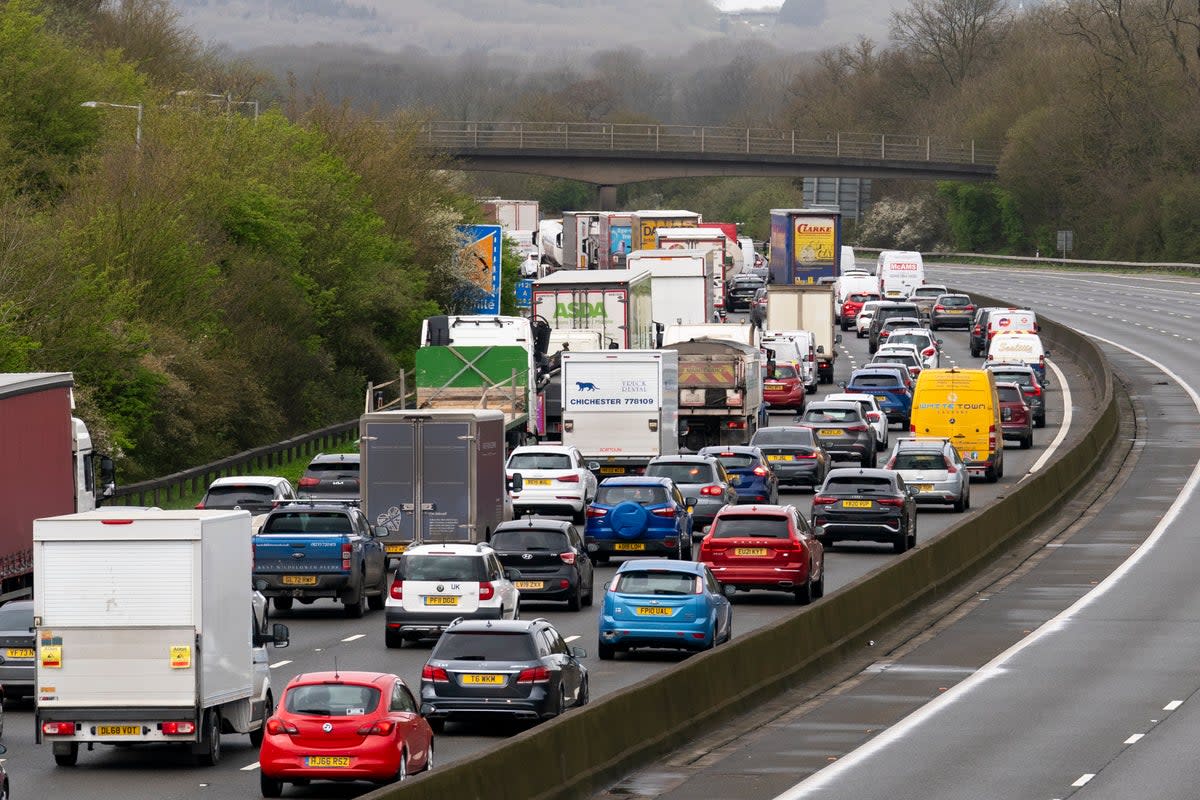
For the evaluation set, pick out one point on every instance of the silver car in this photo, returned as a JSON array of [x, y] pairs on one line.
[[934, 468], [17, 649], [701, 477]]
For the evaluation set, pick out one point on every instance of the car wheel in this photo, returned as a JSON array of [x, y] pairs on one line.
[[580, 517], [429, 761], [69, 758], [562, 702], [818, 590], [1039, 422], [575, 601], [282, 603], [900, 544], [912, 533], [438, 726], [257, 735], [606, 651], [210, 740], [933, 325], [516, 611], [712, 638], [804, 594], [960, 505], [1027, 442], [402, 770], [585, 694], [270, 787], [394, 640], [990, 475]]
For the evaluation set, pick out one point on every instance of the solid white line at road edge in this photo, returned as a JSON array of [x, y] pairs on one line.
[[1063, 429], [822, 780]]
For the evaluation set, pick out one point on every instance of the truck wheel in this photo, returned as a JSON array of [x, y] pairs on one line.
[[354, 610], [257, 735], [282, 603], [69, 757], [270, 787], [210, 740]]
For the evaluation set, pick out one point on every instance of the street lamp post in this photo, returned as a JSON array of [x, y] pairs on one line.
[[227, 98], [137, 107]]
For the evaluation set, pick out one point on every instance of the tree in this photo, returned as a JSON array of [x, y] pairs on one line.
[[952, 35]]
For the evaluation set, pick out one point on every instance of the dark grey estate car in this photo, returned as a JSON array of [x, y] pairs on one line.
[[701, 477]]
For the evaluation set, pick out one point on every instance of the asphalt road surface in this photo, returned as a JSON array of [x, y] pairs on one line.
[[1076, 678]]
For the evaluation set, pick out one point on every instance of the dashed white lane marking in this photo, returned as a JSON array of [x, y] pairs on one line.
[[1134, 738], [1063, 429], [250, 767], [1083, 779], [283, 663], [354, 638], [570, 639], [1171, 706]]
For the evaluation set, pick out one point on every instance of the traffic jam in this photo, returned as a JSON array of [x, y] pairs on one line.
[[697, 438]]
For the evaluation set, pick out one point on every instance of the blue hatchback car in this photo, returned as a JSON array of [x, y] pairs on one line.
[[639, 516], [664, 604], [750, 471], [889, 389]]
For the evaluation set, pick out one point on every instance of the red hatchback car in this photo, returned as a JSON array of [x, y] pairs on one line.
[[344, 726], [765, 547], [784, 388], [1016, 419]]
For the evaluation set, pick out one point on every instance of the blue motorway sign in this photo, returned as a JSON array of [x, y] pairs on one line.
[[524, 293], [480, 259]]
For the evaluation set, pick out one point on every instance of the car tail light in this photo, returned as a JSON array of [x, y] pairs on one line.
[[856, 428], [534, 675], [939, 307], [669, 511], [58, 728], [874, 416], [567, 558], [397, 590], [486, 590], [277, 727], [976, 331], [383, 727], [989, 358], [435, 674], [736, 424], [890, 501], [799, 456], [949, 465], [308, 482], [200, 505], [711, 491], [179, 728], [969, 308], [884, 334], [1036, 391], [596, 512], [347, 555], [823, 500], [928, 351], [889, 464], [992, 438], [761, 471], [568, 479]]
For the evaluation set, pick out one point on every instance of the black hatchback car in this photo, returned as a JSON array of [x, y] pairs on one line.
[[741, 292], [510, 669], [796, 456], [552, 558], [871, 505], [330, 476]]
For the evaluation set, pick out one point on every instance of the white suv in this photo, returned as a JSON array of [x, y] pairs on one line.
[[871, 411], [557, 481], [436, 584]]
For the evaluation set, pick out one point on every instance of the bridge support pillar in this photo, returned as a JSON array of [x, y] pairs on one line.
[[608, 197]]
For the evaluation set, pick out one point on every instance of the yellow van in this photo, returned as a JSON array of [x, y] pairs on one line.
[[962, 405]]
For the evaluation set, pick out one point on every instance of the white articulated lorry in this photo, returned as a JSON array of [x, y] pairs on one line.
[[148, 631], [621, 407]]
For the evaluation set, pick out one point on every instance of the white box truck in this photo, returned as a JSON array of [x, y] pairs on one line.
[[807, 307], [621, 407], [683, 290], [616, 302], [148, 631]]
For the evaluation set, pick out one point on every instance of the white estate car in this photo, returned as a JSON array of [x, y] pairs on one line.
[[557, 481], [871, 410], [928, 347], [862, 323]]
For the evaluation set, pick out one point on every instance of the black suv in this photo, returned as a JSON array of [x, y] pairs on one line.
[[979, 329], [883, 313], [872, 505], [741, 293], [515, 669], [551, 557], [330, 476]]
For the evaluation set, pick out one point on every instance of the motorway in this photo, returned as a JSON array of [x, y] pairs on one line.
[[320, 634], [1077, 676]]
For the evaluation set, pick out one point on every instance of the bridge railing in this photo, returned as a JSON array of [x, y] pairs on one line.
[[604, 136]]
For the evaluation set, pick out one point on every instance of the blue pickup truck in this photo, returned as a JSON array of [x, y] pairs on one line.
[[307, 550]]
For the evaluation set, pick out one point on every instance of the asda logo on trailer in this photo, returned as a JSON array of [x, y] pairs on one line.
[[584, 310]]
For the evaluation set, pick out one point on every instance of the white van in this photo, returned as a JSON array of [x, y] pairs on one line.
[[900, 272], [1020, 348], [855, 282], [1022, 321], [798, 346], [848, 261]]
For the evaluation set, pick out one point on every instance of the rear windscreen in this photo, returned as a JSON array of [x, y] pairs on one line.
[[801, 437], [307, 522], [420, 567], [930, 461], [897, 311], [484, 646], [333, 470], [16, 617], [332, 700], [682, 473], [1009, 394], [858, 483], [954, 300], [642, 495], [875, 382], [736, 461], [909, 338], [832, 415], [531, 540], [894, 358], [780, 373], [767, 527], [657, 583], [230, 496], [1022, 378], [539, 461]]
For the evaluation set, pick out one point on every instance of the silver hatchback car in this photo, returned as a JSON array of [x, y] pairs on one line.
[[935, 469], [701, 477]]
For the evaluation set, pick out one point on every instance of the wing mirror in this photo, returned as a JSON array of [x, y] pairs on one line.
[[512, 574], [578, 652], [382, 531]]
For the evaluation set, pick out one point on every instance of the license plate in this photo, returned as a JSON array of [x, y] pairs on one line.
[[441, 600], [881, 398], [749, 551], [395, 549], [654, 611], [774, 387], [118, 730], [529, 584], [299, 580], [537, 481], [483, 680], [19, 652], [780, 457], [629, 546], [327, 761], [856, 504], [924, 487], [954, 311], [612, 470], [830, 432]]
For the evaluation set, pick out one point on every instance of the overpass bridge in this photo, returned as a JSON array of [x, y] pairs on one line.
[[609, 154]]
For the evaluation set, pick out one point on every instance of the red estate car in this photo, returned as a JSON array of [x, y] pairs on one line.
[[784, 388], [765, 547], [344, 726]]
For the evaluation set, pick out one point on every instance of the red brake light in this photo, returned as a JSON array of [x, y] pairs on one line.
[[803, 455], [928, 351], [763, 472], [596, 512], [890, 501], [200, 504], [435, 674], [486, 590], [569, 479], [347, 555], [534, 675], [669, 511], [383, 727], [856, 428], [397, 590], [1037, 390], [309, 481], [58, 728], [567, 558], [116, 522], [939, 307], [711, 491], [950, 465], [970, 308], [276, 727], [822, 500], [179, 728]]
